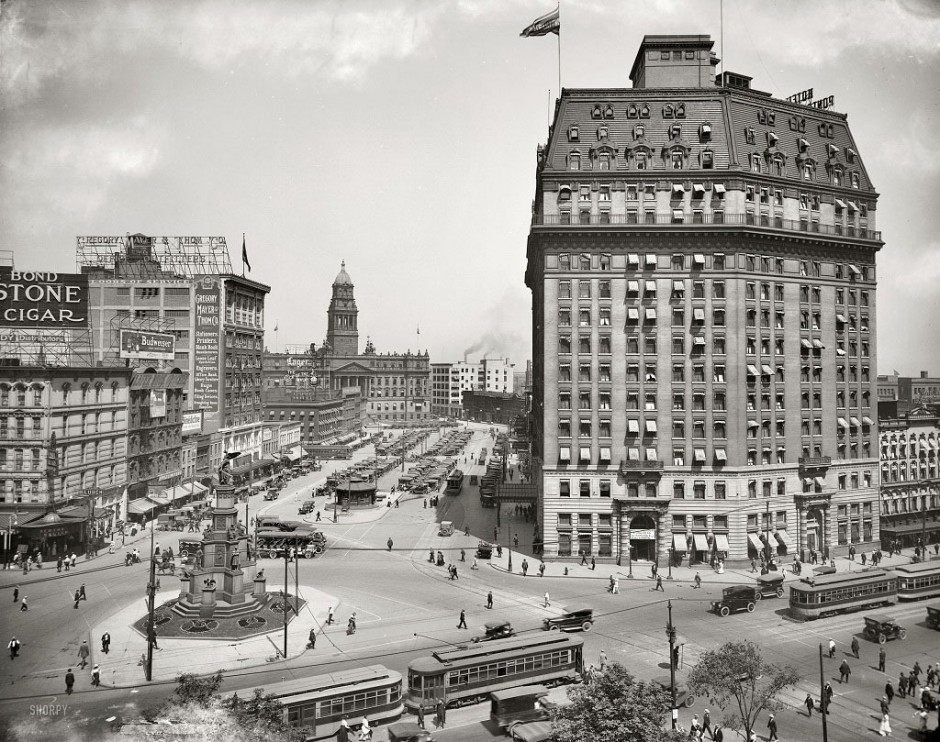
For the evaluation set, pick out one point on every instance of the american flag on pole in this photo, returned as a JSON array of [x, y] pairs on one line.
[[544, 25]]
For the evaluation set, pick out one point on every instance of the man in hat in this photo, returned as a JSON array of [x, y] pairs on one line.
[[772, 728], [69, 681], [14, 647], [83, 653], [707, 724], [96, 675], [105, 642]]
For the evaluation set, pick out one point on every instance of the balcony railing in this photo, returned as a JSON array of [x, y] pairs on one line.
[[635, 466], [753, 220], [814, 461]]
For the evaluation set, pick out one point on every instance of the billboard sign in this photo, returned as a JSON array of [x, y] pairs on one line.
[[208, 355], [192, 422], [156, 345], [43, 300]]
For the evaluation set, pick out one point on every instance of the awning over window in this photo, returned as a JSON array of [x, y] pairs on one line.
[[678, 286], [633, 313], [585, 453], [698, 340], [650, 313], [721, 542], [853, 206], [650, 286], [752, 370], [806, 343], [854, 269], [698, 187], [840, 203], [766, 369], [856, 423], [633, 426], [678, 188], [564, 453], [678, 214], [679, 542], [698, 258], [651, 260], [633, 287], [699, 454], [868, 421], [721, 454], [841, 318], [784, 539], [820, 482], [605, 453], [139, 507], [633, 454], [701, 541], [753, 424], [651, 454], [719, 188], [755, 541], [698, 314], [818, 344], [840, 352], [633, 259], [650, 426], [843, 423]]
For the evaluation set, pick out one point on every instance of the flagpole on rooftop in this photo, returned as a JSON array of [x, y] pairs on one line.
[[558, 8]]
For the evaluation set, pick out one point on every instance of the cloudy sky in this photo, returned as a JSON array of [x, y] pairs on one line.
[[400, 136]]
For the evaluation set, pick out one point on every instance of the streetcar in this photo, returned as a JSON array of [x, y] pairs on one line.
[[454, 482], [273, 544], [467, 675], [827, 595], [921, 580], [320, 702]]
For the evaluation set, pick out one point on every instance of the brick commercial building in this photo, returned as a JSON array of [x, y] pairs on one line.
[[702, 265]]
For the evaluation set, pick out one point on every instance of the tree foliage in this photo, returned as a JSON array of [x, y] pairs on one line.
[[737, 672], [613, 707]]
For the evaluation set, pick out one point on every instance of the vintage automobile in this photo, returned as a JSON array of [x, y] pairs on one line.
[[683, 696], [575, 616], [736, 598], [446, 529], [518, 705], [533, 731], [769, 586], [933, 616], [881, 628], [407, 731], [306, 507], [271, 494], [495, 630], [484, 550]]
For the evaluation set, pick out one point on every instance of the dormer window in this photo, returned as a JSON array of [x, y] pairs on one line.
[[645, 111], [705, 132], [832, 150], [680, 111], [802, 144], [574, 161], [608, 111], [771, 139], [632, 111], [641, 161], [837, 176], [574, 133], [603, 132], [707, 159], [809, 171], [855, 180], [596, 111], [749, 135], [639, 131], [667, 111], [564, 193], [603, 160], [676, 159], [778, 164], [850, 154], [755, 163], [675, 131]]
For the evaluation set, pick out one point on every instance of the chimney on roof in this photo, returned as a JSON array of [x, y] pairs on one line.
[[674, 61], [924, 375], [734, 80]]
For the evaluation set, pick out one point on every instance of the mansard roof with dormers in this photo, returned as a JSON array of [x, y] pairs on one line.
[[731, 125]]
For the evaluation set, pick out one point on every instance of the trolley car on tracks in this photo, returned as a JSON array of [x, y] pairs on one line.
[[916, 581], [828, 595]]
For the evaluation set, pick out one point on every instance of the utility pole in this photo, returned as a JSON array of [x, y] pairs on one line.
[[823, 701], [671, 633], [286, 603], [151, 595]]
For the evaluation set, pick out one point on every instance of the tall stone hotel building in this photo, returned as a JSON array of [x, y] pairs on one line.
[[702, 264]]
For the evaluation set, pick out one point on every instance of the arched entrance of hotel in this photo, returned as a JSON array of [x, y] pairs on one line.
[[643, 538]]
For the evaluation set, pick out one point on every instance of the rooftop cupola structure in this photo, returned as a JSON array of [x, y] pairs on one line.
[[674, 61], [342, 331]]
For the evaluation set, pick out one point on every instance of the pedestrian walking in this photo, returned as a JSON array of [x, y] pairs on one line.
[[489, 599], [832, 648], [659, 583], [542, 569], [16, 593], [771, 728], [653, 570], [882, 656], [441, 713], [23, 606], [883, 703], [96, 675], [67, 563], [69, 681], [707, 724], [616, 589], [73, 559], [603, 660], [78, 597], [547, 602], [389, 543], [829, 694], [889, 692], [515, 540], [462, 624], [58, 564], [525, 567], [81, 592], [844, 672], [902, 685], [83, 653], [753, 565], [342, 734], [808, 702], [593, 563], [14, 647], [421, 707], [698, 581], [884, 728], [855, 646], [583, 558], [718, 735], [312, 638], [105, 642]]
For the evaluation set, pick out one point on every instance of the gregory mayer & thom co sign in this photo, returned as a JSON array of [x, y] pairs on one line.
[[43, 300]]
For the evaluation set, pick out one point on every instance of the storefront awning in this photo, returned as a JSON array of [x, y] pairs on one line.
[[139, 507], [755, 541], [701, 541], [721, 542], [159, 500], [784, 538], [679, 542]]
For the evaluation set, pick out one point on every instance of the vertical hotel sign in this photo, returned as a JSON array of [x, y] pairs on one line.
[[208, 352]]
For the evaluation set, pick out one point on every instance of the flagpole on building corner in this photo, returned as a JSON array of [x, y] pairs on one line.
[[243, 254], [558, 8]]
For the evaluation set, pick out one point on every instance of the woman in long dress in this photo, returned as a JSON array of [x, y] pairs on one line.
[[884, 728]]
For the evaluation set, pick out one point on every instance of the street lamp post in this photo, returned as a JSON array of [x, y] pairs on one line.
[[671, 634], [508, 539], [670, 556]]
